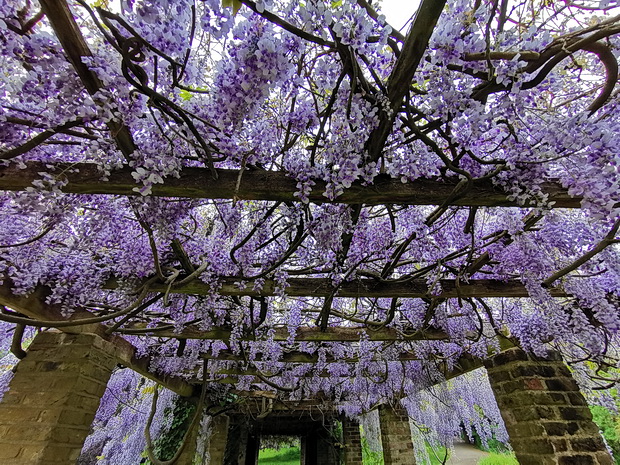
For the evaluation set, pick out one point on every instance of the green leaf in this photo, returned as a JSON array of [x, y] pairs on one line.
[[148, 390], [234, 4]]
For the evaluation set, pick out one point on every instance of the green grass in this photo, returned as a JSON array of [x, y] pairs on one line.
[[284, 456], [436, 454], [499, 459]]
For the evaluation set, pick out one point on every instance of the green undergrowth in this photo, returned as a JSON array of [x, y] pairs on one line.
[[609, 424], [369, 456], [438, 455], [284, 456], [498, 459], [168, 442]]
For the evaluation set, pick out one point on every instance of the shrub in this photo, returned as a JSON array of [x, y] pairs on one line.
[[610, 427]]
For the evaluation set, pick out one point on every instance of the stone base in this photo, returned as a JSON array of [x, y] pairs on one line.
[[396, 437], [47, 412], [547, 417]]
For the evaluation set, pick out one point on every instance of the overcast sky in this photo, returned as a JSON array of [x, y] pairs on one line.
[[398, 12]]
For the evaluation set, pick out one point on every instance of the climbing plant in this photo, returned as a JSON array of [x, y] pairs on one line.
[[318, 204]]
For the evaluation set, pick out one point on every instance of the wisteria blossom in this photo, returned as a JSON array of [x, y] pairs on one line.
[[320, 205]]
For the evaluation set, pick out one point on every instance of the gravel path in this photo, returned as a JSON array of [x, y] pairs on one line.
[[465, 454]]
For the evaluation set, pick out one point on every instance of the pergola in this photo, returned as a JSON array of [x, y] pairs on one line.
[[441, 313]]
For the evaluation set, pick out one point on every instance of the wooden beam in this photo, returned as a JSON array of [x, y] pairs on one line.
[[307, 334], [302, 357], [367, 287], [75, 47], [464, 364], [85, 178], [33, 305]]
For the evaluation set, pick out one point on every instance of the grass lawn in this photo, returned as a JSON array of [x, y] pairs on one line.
[[291, 456], [499, 459], [436, 454], [284, 456]]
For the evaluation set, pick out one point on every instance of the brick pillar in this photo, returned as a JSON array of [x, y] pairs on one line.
[[47, 412], [190, 454], [352, 441], [218, 437], [396, 437], [547, 417], [236, 447]]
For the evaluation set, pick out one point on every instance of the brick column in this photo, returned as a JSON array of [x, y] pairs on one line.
[[547, 417], [218, 437], [396, 437], [352, 441], [236, 448], [47, 412], [193, 450], [188, 455]]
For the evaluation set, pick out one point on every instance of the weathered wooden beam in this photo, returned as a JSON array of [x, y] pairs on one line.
[[303, 357], [253, 371], [464, 364], [367, 287], [75, 47], [33, 306], [85, 178], [308, 334]]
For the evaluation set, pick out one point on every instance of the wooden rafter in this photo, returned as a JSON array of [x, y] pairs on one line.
[[34, 306], [464, 364], [304, 334], [301, 357], [197, 183], [322, 287]]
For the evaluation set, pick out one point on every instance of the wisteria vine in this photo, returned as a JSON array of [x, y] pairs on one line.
[[511, 98]]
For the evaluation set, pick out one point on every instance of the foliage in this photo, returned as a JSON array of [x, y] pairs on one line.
[[283, 456], [279, 442], [118, 429], [609, 424], [369, 456], [491, 444], [132, 136], [438, 455], [467, 403], [499, 459], [177, 419]]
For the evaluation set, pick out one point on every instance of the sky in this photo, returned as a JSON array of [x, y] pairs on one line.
[[398, 12]]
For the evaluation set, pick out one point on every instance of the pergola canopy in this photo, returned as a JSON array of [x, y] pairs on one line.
[[290, 184]]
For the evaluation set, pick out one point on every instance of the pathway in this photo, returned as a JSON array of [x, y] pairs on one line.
[[465, 454]]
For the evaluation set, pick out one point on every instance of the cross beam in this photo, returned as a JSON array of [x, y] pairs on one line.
[[197, 183], [34, 306], [464, 364], [367, 287], [303, 334], [302, 357]]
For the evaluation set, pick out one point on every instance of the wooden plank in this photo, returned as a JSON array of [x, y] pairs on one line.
[[465, 364], [75, 47], [303, 357], [308, 334], [33, 305], [85, 178], [322, 287]]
